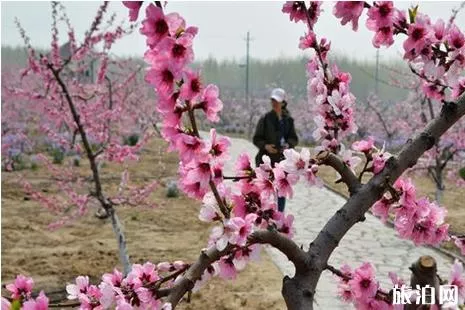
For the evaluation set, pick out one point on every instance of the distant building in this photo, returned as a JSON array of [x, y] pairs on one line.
[[88, 75]]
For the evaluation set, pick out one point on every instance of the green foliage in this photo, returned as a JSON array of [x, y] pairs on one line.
[[34, 166], [412, 13], [76, 161], [462, 173], [131, 140], [172, 190], [58, 155], [15, 305]]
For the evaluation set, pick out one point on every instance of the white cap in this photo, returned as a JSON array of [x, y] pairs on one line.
[[278, 94]]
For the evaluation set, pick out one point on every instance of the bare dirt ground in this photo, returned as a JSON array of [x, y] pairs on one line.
[[169, 232]]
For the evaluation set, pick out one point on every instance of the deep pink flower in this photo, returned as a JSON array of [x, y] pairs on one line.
[[383, 37], [380, 15], [218, 147], [179, 50], [407, 191], [134, 7], [364, 146], [296, 11], [349, 11], [381, 209], [284, 223], [379, 161], [190, 147], [155, 26], [192, 86], [40, 303], [459, 88], [307, 41], [284, 182], [419, 34], [21, 287], [162, 76], [433, 90], [364, 285], [210, 102]]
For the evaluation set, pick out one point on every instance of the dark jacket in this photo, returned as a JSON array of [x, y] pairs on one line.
[[267, 132]]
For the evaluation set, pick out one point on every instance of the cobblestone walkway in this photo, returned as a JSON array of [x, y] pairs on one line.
[[368, 241]]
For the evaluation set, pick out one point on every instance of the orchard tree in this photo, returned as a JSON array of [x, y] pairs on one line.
[[85, 113], [399, 120], [245, 212]]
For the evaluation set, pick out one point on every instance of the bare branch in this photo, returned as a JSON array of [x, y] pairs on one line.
[[293, 252]]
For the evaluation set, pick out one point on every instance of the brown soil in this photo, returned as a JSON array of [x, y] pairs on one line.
[[169, 232]]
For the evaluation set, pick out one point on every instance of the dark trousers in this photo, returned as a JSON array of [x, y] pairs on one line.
[[281, 204]]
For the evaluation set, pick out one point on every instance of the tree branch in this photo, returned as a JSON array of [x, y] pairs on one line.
[[293, 252], [357, 205], [347, 176]]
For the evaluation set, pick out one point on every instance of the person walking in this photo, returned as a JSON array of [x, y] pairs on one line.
[[275, 132]]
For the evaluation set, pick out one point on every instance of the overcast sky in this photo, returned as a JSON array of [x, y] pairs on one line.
[[223, 27]]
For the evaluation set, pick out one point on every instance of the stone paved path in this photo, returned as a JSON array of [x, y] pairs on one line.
[[368, 241]]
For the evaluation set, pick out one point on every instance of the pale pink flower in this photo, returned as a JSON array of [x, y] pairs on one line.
[[146, 273], [40, 303], [238, 229], [113, 279], [363, 283], [6, 305], [364, 146], [455, 37], [76, 290], [460, 243], [134, 7], [227, 269], [21, 287], [243, 165], [457, 277], [208, 212], [295, 162], [349, 11]]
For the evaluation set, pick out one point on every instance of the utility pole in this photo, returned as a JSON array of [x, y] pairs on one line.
[[377, 73], [247, 62]]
